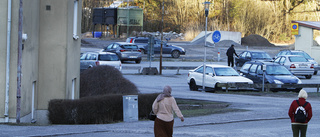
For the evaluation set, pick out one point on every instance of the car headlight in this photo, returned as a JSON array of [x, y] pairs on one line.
[[277, 82]]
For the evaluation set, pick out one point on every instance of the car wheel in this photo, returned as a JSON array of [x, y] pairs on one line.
[[216, 88], [138, 61], [193, 86], [175, 54], [315, 72], [308, 76]]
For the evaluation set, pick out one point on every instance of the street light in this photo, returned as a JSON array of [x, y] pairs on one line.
[[206, 9]]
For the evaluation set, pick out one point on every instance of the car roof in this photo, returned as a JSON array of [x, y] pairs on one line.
[[217, 65], [94, 52], [291, 56], [125, 43], [263, 62], [254, 51]]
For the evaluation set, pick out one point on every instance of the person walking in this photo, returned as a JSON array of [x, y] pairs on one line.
[[295, 124], [163, 106], [230, 53]]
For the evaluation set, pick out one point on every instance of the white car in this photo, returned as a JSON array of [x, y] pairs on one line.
[[297, 65], [214, 74], [91, 59]]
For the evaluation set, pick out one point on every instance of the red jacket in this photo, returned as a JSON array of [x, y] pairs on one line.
[[294, 106]]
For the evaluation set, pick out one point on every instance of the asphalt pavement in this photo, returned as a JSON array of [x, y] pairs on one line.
[[266, 116]]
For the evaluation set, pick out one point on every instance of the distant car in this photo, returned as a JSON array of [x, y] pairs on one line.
[[142, 43], [214, 74], [251, 56], [302, 53], [274, 74], [298, 65], [125, 51], [91, 59]]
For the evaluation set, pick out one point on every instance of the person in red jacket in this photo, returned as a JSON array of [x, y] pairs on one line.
[[300, 126]]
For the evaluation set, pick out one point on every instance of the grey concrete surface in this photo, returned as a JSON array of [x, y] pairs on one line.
[[266, 116]]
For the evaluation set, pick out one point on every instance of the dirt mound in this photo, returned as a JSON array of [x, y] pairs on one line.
[[255, 40]]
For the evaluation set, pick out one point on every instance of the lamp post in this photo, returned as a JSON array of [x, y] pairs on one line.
[[206, 9]]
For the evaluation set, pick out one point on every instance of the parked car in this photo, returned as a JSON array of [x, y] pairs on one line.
[[298, 65], [91, 59], [214, 74], [142, 43], [251, 56], [274, 74], [302, 53], [125, 51]]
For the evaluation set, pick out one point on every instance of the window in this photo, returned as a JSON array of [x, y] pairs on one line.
[[298, 59], [282, 60], [200, 70], [245, 67], [209, 70], [83, 57], [248, 55], [225, 72], [253, 68], [129, 46]]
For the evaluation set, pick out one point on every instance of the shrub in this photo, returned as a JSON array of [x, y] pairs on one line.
[[103, 80], [95, 109]]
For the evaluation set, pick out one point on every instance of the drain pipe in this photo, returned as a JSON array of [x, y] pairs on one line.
[[6, 112]]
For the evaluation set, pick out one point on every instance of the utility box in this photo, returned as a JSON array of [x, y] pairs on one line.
[[130, 108]]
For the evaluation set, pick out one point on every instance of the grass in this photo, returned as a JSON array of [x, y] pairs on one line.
[[192, 108]]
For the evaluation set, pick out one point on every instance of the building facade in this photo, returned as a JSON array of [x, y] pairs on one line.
[[50, 66]]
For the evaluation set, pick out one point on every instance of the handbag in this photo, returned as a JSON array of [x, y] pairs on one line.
[[152, 116]]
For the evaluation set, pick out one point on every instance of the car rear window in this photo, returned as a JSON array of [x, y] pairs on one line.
[[129, 46], [108, 57], [141, 41], [260, 55], [302, 54], [277, 70], [298, 59]]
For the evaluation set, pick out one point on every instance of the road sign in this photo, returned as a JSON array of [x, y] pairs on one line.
[[216, 36], [295, 28]]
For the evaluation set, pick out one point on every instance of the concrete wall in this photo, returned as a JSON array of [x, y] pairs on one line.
[[50, 57], [225, 35]]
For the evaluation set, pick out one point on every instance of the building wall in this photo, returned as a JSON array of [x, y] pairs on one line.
[[50, 56], [59, 52], [304, 41]]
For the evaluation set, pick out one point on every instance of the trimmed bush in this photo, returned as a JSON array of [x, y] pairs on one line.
[[104, 80], [95, 110]]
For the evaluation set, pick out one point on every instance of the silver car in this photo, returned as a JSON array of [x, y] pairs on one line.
[[297, 65], [91, 59], [301, 53], [125, 51]]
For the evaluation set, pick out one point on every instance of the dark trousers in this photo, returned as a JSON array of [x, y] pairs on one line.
[[296, 128], [230, 60]]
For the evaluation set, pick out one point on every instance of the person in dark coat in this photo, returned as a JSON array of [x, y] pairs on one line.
[[300, 126], [230, 53]]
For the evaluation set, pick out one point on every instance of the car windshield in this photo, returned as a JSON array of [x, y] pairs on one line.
[[260, 55], [298, 59], [302, 54], [225, 72], [277, 70], [129, 46], [108, 57]]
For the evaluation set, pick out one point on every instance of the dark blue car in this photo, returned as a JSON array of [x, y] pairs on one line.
[[274, 74]]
